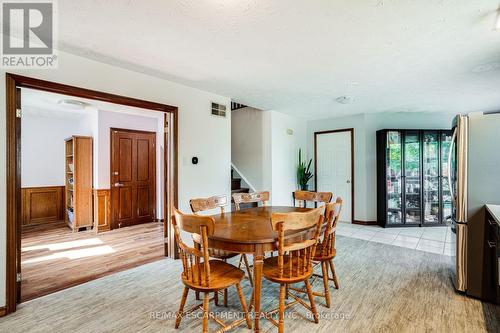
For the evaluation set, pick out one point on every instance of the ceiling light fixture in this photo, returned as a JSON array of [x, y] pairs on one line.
[[72, 104], [344, 99]]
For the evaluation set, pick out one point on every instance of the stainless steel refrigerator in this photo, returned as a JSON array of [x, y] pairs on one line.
[[474, 176]]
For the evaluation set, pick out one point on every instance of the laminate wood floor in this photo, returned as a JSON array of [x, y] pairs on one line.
[[383, 288], [54, 258]]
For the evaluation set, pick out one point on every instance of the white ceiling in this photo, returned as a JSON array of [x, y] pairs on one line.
[[40, 103], [297, 57]]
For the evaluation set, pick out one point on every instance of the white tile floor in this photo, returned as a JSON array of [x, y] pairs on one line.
[[428, 239]]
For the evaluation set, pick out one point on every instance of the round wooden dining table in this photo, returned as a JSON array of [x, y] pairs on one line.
[[250, 231]]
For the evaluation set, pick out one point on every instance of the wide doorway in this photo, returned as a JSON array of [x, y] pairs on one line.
[[68, 170], [334, 167]]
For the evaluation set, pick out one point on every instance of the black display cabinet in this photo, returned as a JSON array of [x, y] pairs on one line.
[[412, 171]]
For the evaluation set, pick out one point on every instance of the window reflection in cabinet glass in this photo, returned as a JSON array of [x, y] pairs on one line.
[[394, 183], [412, 177], [431, 176]]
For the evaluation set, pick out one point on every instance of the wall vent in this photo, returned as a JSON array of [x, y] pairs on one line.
[[218, 110]]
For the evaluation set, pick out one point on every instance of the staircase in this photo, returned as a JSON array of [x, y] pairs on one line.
[[236, 188], [236, 185]]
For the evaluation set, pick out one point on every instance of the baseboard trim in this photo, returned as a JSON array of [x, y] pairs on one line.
[[364, 222], [3, 311], [159, 220]]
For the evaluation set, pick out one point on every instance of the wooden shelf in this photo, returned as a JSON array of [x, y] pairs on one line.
[[79, 192]]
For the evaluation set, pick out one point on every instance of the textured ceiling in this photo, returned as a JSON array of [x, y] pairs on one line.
[[298, 57], [45, 104]]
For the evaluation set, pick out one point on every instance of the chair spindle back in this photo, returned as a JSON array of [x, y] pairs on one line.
[[195, 263], [295, 258], [332, 213]]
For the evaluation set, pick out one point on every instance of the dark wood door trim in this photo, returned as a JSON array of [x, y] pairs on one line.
[[351, 130], [13, 228], [59, 88], [113, 167]]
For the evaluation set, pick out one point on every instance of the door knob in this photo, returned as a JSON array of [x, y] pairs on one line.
[[118, 185]]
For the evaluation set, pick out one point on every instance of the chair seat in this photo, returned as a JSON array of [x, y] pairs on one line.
[[319, 254], [222, 276], [271, 270]]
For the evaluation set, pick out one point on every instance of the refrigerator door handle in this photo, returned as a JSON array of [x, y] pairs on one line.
[[450, 154]]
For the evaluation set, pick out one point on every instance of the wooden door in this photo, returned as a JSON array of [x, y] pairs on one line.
[[133, 177], [334, 168]]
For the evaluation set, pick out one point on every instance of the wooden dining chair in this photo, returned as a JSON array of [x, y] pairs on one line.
[[325, 251], [256, 197], [219, 201], [202, 274], [213, 202], [305, 196], [294, 261]]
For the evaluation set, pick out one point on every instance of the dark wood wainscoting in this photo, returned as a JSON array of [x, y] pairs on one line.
[[41, 205], [102, 210]]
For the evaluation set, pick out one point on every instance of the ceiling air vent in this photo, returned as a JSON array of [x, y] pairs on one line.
[[218, 110]]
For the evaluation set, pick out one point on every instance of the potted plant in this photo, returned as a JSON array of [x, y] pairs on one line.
[[304, 173]]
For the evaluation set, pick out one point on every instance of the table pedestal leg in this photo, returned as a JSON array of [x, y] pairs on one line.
[[258, 262]]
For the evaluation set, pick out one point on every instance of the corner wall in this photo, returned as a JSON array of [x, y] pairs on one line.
[[250, 145], [264, 148], [288, 134]]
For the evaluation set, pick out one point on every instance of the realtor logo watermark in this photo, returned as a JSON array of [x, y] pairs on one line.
[[28, 35]]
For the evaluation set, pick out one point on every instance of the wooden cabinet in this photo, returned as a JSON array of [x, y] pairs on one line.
[[412, 177], [79, 211]]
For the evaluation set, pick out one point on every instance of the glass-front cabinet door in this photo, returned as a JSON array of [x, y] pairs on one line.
[[412, 175], [445, 189], [431, 178], [394, 177]]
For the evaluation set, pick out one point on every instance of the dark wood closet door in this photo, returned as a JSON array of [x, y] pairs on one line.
[[133, 177]]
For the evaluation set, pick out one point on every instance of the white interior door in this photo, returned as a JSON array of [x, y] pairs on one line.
[[333, 158]]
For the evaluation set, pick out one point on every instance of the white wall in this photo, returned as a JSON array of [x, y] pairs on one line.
[[42, 148], [265, 153], [200, 134], [250, 145], [285, 152], [365, 127]]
